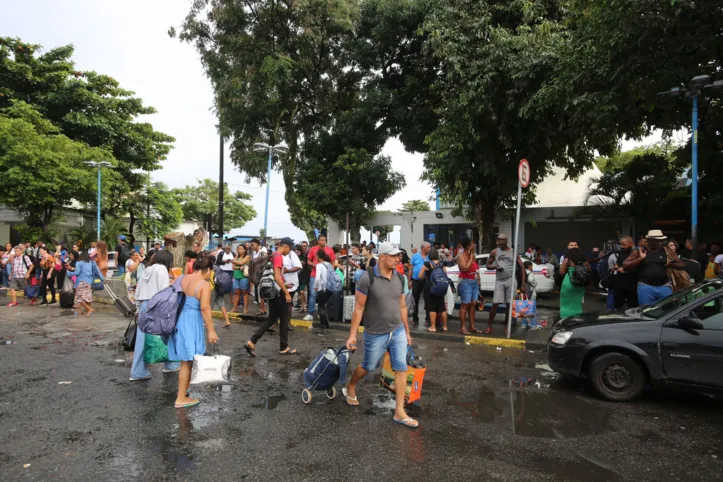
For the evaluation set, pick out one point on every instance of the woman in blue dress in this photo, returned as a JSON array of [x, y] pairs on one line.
[[189, 339]]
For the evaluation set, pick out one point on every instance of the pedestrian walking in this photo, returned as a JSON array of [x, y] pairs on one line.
[[323, 295], [155, 277], [380, 302], [652, 265], [189, 339], [501, 259], [572, 295], [83, 272], [313, 261], [434, 305], [417, 283], [22, 269], [278, 309]]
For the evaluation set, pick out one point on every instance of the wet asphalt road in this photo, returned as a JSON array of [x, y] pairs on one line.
[[484, 415]]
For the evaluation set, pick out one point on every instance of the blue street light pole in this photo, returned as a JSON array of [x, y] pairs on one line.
[[261, 147], [694, 176], [98, 165]]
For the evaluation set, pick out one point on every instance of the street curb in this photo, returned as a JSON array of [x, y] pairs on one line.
[[471, 340]]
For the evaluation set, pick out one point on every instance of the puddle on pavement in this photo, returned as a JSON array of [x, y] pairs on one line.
[[530, 411], [172, 456], [270, 402]]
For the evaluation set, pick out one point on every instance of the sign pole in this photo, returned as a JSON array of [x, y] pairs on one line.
[[513, 291]]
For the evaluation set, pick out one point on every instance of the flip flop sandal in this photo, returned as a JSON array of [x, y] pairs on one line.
[[186, 405], [476, 331], [488, 331], [407, 422], [228, 327], [465, 332], [289, 351], [351, 401], [431, 330], [249, 350]]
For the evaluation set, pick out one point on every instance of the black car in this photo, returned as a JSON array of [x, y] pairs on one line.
[[676, 342]]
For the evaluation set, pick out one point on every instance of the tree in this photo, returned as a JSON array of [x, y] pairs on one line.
[[43, 170], [416, 205], [196, 201], [158, 209], [274, 67], [643, 190], [86, 107], [110, 229], [496, 57]]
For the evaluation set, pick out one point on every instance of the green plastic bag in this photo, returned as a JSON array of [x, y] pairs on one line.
[[154, 350]]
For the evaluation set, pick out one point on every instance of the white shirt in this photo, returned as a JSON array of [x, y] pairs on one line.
[[291, 261], [321, 275], [261, 252], [227, 261]]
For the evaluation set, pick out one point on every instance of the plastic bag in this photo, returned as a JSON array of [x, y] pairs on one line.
[[210, 369], [415, 376], [155, 350], [524, 311], [67, 285]]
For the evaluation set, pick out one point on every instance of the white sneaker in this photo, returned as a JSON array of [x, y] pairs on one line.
[[166, 370], [137, 379], [309, 317]]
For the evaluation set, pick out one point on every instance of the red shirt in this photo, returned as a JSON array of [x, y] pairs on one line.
[[313, 260]]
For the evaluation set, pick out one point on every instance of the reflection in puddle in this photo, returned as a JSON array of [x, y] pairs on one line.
[[270, 402], [534, 413], [224, 388], [172, 456]]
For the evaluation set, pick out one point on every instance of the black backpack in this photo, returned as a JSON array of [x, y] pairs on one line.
[[607, 279], [581, 275]]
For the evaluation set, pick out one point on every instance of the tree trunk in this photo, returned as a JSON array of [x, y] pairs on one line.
[[131, 226], [484, 219]]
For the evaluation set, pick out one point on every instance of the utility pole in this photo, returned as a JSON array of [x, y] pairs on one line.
[[221, 187]]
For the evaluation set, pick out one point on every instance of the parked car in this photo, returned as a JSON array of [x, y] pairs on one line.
[[676, 342], [544, 275]]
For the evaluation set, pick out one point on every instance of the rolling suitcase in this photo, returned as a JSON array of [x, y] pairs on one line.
[[67, 299], [349, 304], [124, 305], [334, 307]]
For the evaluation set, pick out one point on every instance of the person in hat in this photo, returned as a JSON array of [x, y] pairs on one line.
[[652, 265], [122, 254], [501, 259], [381, 303], [279, 307]]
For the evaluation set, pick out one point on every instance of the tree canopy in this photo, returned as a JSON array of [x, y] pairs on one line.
[[201, 199], [416, 205]]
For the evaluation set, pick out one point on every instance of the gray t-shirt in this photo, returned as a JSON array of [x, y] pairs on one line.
[[382, 313], [503, 259]]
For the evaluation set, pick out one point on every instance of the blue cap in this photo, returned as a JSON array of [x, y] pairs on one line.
[[121, 237]]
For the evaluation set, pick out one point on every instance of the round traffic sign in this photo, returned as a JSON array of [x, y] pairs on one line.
[[523, 173]]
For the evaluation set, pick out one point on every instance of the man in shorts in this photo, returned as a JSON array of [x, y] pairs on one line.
[[381, 303], [501, 260], [22, 268]]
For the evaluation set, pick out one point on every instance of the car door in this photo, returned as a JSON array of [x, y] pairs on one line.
[[695, 356], [486, 277]]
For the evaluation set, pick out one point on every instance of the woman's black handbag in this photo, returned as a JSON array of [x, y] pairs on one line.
[[129, 337]]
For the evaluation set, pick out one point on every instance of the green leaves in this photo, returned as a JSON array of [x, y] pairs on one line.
[[196, 201]]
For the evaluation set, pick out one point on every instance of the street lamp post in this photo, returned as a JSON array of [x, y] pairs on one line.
[[261, 147], [98, 165], [697, 85]]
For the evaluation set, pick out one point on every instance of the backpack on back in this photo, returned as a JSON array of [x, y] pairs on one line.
[[266, 284], [438, 281], [162, 311], [333, 280], [580, 276], [604, 274], [223, 282], [257, 268]]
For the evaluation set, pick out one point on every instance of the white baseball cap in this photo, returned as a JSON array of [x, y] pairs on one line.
[[388, 248]]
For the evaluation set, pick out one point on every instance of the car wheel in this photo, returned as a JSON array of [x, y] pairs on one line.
[[617, 377]]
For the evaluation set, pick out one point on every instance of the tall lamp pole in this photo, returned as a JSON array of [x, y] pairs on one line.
[[98, 165], [261, 147], [697, 85], [221, 188]]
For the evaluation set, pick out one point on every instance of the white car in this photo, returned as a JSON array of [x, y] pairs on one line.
[[544, 275]]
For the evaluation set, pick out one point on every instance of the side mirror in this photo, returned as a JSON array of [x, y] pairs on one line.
[[690, 323]]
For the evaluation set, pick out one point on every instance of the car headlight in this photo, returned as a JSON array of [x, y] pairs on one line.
[[561, 338]]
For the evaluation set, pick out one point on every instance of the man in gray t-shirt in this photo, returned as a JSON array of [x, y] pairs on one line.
[[380, 303], [501, 259]]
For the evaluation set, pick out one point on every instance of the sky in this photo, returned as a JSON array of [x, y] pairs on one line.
[[129, 41]]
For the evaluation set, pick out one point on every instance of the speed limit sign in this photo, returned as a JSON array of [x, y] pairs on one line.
[[523, 173]]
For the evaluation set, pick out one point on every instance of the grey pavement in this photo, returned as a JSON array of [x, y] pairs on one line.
[[484, 415]]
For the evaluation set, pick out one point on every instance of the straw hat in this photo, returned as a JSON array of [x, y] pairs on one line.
[[656, 234]]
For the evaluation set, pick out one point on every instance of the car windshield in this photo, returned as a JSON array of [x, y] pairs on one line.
[[677, 300]]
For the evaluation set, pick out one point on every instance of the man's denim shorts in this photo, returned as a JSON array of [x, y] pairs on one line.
[[394, 342]]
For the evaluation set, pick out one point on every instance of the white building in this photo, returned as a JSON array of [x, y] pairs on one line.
[[550, 223]]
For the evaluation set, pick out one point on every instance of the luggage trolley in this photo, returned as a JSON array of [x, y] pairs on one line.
[[328, 368]]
